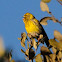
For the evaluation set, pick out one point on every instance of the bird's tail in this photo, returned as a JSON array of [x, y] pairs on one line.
[[45, 37]]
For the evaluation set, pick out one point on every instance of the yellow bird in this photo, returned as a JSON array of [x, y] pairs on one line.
[[34, 28]]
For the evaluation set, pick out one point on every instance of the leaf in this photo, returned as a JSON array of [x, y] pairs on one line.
[[22, 51], [55, 44], [29, 35], [23, 38], [60, 0], [22, 44], [45, 51], [19, 38], [59, 55], [44, 6], [54, 50], [23, 35], [10, 58], [52, 57], [27, 44], [31, 54], [47, 58], [13, 60], [38, 58], [2, 49], [44, 20], [58, 35], [61, 19], [34, 43], [46, 1], [40, 36], [27, 52]]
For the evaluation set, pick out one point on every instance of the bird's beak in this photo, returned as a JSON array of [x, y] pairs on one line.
[[23, 17]]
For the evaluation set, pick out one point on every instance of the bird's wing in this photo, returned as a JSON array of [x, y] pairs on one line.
[[36, 22], [42, 31]]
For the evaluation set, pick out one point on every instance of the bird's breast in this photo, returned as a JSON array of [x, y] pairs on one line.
[[31, 27]]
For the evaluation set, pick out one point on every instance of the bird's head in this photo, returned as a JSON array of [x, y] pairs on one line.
[[28, 16]]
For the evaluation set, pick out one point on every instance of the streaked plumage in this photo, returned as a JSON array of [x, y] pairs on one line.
[[33, 27]]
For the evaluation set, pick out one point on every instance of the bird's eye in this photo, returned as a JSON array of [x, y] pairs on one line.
[[33, 17]]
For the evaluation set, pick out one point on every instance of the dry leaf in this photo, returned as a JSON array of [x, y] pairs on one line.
[[46, 1], [22, 51], [54, 50], [13, 60], [27, 44], [31, 54], [60, 0], [55, 44], [53, 57], [40, 36], [22, 44], [27, 52], [59, 55], [44, 6], [58, 35], [2, 49], [45, 51], [29, 35], [38, 58], [34, 43], [44, 20], [47, 58], [23, 37], [19, 38]]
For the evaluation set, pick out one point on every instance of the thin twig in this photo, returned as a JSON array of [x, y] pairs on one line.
[[55, 18], [32, 60], [59, 2]]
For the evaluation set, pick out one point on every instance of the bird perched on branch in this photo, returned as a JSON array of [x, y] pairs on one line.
[[34, 28]]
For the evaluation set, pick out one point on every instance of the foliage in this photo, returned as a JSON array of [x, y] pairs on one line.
[[45, 55], [5, 55]]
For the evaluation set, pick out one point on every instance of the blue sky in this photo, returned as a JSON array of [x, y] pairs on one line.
[[11, 23]]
